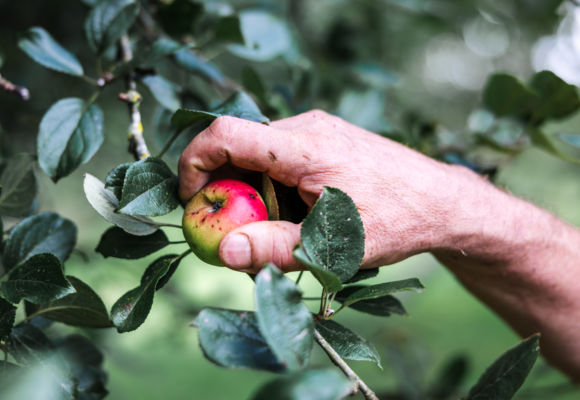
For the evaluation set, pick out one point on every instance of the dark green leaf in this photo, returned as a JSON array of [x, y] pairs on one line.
[[42, 233], [228, 29], [79, 350], [348, 344], [39, 280], [70, 133], [18, 186], [150, 188], [105, 203], [382, 290], [505, 95], [27, 344], [253, 83], [269, 196], [238, 105], [43, 49], [164, 91], [383, 306], [117, 243], [7, 316], [108, 21], [329, 280], [163, 47], [363, 274], [558, 99], [178, 17], [131, 310], [283, 318], [232, 339], [450, 377], [82, 308], [333, 235], [505, 376], [569, 139], [115, 179], [324, 384], [193, 63]]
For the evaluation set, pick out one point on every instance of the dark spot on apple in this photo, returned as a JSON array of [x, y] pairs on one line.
[[251, 196], [253, 214], [212, 225], [203, 219]]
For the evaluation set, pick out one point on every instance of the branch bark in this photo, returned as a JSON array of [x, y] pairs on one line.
[[10, 87], [340, 363]]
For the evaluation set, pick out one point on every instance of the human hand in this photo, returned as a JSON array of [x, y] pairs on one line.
[[403, 197]]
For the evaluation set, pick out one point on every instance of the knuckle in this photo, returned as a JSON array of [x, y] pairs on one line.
[[220, 126]]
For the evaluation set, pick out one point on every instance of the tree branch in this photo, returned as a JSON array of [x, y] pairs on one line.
[[340, 363], [10, 87]]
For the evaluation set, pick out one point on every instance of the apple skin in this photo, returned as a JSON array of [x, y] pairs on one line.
[[217, 209]]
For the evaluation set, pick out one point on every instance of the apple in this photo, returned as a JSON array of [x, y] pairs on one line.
[[217, 209]]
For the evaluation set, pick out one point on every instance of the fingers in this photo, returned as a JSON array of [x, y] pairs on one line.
[[245, 144], [251, 246]]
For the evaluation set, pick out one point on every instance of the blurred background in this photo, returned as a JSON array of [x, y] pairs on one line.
[[412, 70]]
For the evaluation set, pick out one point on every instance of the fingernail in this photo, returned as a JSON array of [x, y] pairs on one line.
[[237, 252]]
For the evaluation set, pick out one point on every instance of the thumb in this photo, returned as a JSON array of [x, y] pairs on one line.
[[249, 247]]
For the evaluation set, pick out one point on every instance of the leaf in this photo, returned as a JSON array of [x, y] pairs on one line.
[[232, 339], [18, 185], [7, 317], [505, 376], [363, 274], [569, 139], [27, 344], [253, 83], [382, 290], [108, 21], [269, 196], [557, 99], [105, 203], [193, 63], [333, 235], [283, 318], [131, 310], [238, 105], [347, 343], [117, 243], [383, 306], [505, 95], [79, 350], [164, 91], [150, 188], [39, 280], [70, 134], [450, 378], [42, 48], [228, 29], [41, 233], [115, 179], [321, 384], [329, 280], [82, 308], [541, 140]]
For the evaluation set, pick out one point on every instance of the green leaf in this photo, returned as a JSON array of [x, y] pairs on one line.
[[150, 188], [232, 339], [82, 308], [558, 99], [239, 105], [117, 243], [164, 91], [39, 280], [450, 377], [569, 139], [228, 29], [382, 290], [505, 95], [322, 384], [131, 310], [329, 280], [115, 179], [108, 21], [363, 274], [148, 53], [18, 185], [505, 376], [7, 316], [347, 343], [42, 233], [43, 49], [333, 235], [195, 64], [70, 134], [78, 349], [541, 140], [105, 203], [283, 318], [28, 344], [254, 84], [382, 306]]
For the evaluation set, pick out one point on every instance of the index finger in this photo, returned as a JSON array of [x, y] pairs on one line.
[[245, 144]]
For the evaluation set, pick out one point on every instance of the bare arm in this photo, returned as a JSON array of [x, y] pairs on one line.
[[518, 259]]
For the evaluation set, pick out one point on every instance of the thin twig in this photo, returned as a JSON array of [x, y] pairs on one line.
[[10, 87], [169, 143], [132, 97], [340, 363]]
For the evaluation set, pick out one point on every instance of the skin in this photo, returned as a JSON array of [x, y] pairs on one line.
[[520, 260], [217, 209]]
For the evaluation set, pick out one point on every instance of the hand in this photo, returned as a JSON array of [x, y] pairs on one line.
[[404, 197]]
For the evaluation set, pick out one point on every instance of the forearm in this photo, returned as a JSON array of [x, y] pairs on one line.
[[521, 261]]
